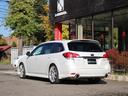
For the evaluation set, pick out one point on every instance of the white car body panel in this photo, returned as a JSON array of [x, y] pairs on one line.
[[17, 61], [39, 65]]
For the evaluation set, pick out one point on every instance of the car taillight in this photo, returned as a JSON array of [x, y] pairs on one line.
[[70, 55], [105, 55]]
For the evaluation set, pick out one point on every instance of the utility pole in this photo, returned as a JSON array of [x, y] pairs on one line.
[[20, 47]]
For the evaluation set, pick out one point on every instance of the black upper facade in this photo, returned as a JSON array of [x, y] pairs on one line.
[[82, 8]]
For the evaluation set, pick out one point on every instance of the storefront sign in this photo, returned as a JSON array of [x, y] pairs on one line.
[[60, 8], [60, 5]]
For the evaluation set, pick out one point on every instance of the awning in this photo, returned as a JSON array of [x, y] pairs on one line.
[[4, 48]]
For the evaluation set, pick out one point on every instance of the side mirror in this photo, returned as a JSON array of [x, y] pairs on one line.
[[28, 53]]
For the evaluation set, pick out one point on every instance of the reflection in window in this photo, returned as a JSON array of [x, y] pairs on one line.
[[121, 29], [37, 51], [102, 30], [86, 24]]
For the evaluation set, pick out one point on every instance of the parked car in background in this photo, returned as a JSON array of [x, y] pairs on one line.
[[73, 59]]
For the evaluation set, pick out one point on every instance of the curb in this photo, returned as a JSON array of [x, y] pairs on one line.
[[6, 67], [118, 77], [9, 72]]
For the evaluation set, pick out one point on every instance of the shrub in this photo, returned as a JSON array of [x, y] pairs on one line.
[[14, 44]]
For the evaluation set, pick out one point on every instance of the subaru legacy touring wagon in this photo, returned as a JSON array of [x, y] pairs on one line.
[[73, 59]]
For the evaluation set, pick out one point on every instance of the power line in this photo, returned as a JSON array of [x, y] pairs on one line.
[[3, 15], [4, 1], [1, 4], [2, 18], [1, 8]]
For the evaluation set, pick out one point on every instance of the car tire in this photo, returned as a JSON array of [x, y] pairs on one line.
[[94, 80], [53, 75], [22, 71]]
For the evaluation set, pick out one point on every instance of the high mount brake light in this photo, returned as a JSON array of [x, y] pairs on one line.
[[70, 55]]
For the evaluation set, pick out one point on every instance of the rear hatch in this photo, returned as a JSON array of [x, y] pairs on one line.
[[89, 54]]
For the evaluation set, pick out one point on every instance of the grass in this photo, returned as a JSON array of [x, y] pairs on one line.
[[5, 61], [120, 73]]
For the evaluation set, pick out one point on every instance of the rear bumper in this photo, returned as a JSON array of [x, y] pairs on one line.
[[93, 72], [88, 73]]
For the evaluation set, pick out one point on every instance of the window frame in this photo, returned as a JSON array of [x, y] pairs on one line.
[[36, 49]]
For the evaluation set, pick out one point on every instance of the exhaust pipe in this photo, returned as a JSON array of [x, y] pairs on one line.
[[76, 76], [106, 75]]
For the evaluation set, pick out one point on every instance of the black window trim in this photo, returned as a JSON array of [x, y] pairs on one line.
[[44, 44]]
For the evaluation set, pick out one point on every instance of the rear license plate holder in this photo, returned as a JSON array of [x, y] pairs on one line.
[[92, 61]]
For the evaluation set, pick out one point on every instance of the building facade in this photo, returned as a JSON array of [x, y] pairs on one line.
[[102, 20]]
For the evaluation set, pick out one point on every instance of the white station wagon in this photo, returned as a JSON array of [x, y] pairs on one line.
[[73, 59]]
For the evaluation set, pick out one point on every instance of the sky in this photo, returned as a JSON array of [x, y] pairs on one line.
[[3, 14]]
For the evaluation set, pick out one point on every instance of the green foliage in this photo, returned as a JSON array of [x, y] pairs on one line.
[[42, 10], [65, 31], [25, 18], [5, 61], [2, 41], [21, 17], [14, 44]]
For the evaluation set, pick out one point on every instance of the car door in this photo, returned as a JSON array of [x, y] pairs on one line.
[[33, 61], [52, 52], [47, 50]]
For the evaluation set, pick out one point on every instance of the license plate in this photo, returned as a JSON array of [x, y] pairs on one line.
[[91, 61]]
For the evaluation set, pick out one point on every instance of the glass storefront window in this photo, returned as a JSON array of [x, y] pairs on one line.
[[120, 35], [110, 29], [85, 27], [102, 29]]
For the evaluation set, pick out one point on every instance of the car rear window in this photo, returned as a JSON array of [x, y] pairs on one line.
[[84, 46]]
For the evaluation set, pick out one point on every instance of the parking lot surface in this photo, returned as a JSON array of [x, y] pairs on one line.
[[12, 85]]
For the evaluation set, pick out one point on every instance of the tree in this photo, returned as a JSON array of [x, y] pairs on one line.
[[24, 20], [14, 44], [2, 41], [65, 31], [27, 18], [42, 10], [22, 17], [46, 24]]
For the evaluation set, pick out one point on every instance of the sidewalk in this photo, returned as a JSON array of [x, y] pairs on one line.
[[118, 77], [6, 67]]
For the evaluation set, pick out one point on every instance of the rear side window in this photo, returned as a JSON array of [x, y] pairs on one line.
[[47, 48], [57, 47], [84, 46], [53, 48]]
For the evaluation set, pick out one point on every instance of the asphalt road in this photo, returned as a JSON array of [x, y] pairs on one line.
[[12, 85]]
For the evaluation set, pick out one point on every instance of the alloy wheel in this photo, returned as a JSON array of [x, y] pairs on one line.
[[53, 75], [22, 71]]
